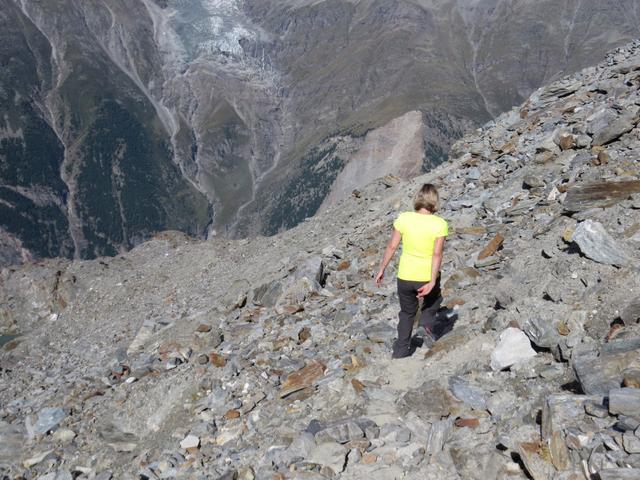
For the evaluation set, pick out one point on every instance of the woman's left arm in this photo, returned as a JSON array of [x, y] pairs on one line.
[[392, 246], [436, 262]]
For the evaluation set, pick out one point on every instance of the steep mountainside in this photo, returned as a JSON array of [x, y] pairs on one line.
[[123, 118], [269, 358]]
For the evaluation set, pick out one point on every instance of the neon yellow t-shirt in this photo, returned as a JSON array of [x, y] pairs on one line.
[[419, 233]]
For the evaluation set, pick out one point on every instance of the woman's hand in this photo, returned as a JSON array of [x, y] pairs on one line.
[[425, 290], [379, 277]]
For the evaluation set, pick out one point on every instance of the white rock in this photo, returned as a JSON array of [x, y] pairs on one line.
[[190, 441], [64, 435], [513, 347]]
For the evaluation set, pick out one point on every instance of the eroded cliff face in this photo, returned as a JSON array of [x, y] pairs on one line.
[[237, 117]]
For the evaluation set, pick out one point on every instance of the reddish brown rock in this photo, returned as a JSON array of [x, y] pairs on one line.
[[358, 386], [343, 265], [231, 414], [217, 360], [304, 334], [302, 378], [567, 142], [491, 247], [467, 422]]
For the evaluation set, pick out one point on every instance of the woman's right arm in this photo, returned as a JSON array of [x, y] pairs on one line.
[[436, 262]]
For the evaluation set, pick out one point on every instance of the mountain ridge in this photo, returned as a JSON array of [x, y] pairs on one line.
[[270, 357], [236, 99]]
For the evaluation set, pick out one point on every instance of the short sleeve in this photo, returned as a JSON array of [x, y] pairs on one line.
[[444, 229], [398, 224]]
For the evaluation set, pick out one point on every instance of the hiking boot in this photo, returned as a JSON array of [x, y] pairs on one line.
[[396, 355], [425, 335]]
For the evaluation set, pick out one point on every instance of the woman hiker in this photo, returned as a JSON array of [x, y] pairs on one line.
[[422, 234]]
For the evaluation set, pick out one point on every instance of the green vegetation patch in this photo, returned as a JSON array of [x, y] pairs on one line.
[[128, 187], [306, 190], [43, 228]]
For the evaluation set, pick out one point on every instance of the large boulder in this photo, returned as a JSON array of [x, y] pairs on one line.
[[596, 243]]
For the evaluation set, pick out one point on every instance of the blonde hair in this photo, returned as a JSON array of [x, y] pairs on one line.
[[427, 197]]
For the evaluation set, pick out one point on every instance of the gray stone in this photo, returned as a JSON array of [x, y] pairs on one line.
[[118, 440], [438, 435], [619, 474], [631, 442], [380, 333], [267, 294], [429, 400], [312, 268], [342, 432], [301, 446], [12, 439], [598, 374], [470, 394], [532, 181], [560, 410], [219, 402], [631, 313], [596, 410], [626, 423], [621, 345], [59, 475], [331, 455], [606, 125], [412, 454], [502, 404], [396, 433], [625, 401], [596, 243], [556, 290], [236, 295], [36, 459], [513, 347], [473, 174], [142, 365], [48, 419], [541, 332]]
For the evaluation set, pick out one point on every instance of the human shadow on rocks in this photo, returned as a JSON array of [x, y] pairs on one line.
[[442, 324]]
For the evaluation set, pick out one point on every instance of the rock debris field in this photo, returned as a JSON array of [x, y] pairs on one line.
[[270, 358]]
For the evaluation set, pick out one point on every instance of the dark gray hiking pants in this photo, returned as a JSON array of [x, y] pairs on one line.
[[407, 291]]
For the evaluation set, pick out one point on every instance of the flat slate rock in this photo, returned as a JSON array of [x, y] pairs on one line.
[[631, 313], [596, 243], [380, 333], [625, 401], [620, 474], [599, 195], [599, 374]]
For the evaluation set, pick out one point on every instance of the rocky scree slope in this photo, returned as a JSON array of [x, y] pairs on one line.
[[270, 358], [124, 118]]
